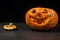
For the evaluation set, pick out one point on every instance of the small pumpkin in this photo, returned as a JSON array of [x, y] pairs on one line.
[[9, 27], [41, 18]]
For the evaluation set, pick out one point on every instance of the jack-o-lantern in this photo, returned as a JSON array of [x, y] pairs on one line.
[[9, 27], [41, 18]]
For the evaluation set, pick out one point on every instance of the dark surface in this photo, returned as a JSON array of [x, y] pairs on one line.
[[24, 33]]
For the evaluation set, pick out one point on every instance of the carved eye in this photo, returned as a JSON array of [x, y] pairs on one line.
[[34, 11], [45, 11]]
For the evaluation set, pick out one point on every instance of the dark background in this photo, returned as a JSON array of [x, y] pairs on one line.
[[14, 10]]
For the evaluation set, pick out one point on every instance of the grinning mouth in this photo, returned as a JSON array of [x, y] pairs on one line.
[[39, 21]]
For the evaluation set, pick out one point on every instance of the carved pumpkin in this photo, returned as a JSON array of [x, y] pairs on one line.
[[9, 27], [41, 18]]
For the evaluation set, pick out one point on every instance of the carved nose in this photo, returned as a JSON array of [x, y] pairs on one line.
[[39, 14]]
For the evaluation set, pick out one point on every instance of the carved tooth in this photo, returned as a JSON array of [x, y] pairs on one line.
[[30, 14], [32, 19], [49, 15]]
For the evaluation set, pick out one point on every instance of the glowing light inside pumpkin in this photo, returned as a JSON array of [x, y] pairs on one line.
[[40, 17]]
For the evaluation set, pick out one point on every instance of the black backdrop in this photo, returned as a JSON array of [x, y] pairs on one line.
[[14, 10]]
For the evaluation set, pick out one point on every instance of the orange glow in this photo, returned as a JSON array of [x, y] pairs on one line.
[[41, 18]]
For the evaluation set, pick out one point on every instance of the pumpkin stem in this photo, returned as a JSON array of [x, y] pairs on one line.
[[10, 24]]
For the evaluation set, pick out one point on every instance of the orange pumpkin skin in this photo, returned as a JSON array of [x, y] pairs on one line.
[[41, 18]]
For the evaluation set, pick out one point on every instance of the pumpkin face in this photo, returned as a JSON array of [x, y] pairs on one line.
[[9, 27], [41, 18]]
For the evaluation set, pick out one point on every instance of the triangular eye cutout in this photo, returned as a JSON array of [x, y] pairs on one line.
[[34, 11], [45, 11]]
